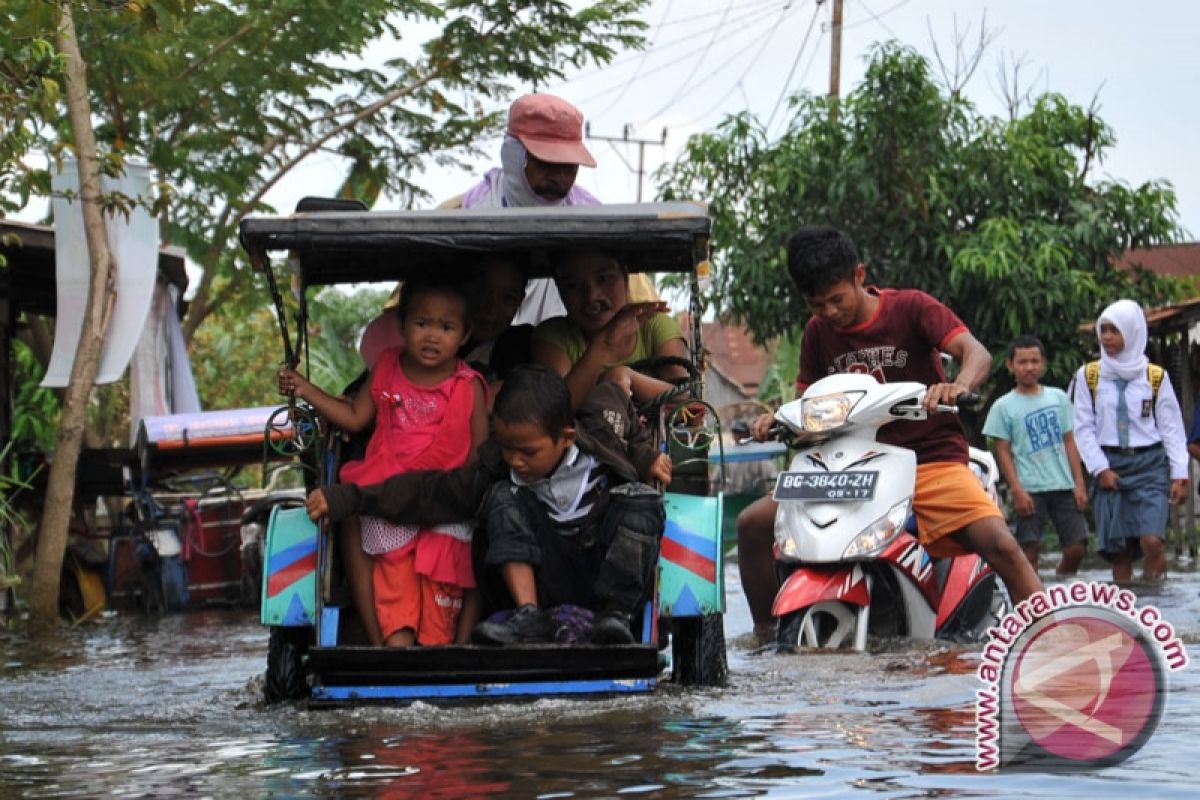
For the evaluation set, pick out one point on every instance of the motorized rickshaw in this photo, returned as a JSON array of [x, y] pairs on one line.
[[311, 650]]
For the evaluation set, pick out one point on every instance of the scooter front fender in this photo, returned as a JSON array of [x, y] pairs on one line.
[[812, 584]]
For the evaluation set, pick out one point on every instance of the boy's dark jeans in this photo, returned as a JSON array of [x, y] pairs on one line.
[[610, 564]]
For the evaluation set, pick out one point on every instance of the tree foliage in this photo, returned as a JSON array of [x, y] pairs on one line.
[[30, 90], [1006, 220], [225, 99], [35, 409], [236, 358]]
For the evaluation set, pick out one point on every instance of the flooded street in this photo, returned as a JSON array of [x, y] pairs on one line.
[[130, 707]]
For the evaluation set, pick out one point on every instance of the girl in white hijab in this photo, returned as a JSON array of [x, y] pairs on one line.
[[1129, 362], [1130, 438]]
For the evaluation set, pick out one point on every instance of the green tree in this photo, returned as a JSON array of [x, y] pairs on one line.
[[225, 99], [235, 362], [1003, 219], [30, 90]]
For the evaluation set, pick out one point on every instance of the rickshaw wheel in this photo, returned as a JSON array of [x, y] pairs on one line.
[[698, 651], [286, 678]]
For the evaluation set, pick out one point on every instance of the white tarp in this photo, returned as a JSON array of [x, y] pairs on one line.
[[160, 374], [134, 242]]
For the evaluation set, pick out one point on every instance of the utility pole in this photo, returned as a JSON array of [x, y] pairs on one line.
[[835, 56], [641, 143]]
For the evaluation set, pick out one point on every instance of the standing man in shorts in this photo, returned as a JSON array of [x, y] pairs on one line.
[[1035, 447], [893, 335]]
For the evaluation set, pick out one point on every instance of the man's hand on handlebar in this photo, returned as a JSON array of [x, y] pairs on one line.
[[760, 429], [943, 394]]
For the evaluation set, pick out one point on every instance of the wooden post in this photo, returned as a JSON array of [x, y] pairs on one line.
[[835, 56]]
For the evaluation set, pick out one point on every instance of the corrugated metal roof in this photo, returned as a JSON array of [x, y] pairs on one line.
[[1180, 260]]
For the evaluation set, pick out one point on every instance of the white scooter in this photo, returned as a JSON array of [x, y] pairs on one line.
[[849, 563]]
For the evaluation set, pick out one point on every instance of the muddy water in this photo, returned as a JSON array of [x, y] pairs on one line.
[[133, 708]]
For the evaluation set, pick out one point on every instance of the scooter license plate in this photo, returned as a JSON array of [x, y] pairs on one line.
[[827, 486]]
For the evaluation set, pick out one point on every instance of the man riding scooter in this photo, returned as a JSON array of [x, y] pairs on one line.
[[892, 335]]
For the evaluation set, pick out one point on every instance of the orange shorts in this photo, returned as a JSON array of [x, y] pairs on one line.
[[406, 599], [948, 498]]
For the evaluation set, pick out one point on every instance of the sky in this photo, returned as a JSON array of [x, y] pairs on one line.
[[707, 58]]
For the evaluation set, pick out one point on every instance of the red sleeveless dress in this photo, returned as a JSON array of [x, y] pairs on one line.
[[417, 428]]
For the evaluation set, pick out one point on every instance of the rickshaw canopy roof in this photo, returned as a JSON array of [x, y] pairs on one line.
[[369, 246]]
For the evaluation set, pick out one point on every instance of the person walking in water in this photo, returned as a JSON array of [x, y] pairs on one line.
[[1129, 431]]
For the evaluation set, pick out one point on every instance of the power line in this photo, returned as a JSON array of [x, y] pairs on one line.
[[755, 4], [795, 63], [654, 70], [641, 63], [754, 42], [816, 51], [877, 17], [658, 49], [696, 68], [641, 143], [738, 83]]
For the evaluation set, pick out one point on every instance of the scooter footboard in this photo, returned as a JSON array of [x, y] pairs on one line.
[[815, 583]]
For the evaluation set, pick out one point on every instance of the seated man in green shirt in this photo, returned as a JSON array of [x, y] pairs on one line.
[[602, 332]]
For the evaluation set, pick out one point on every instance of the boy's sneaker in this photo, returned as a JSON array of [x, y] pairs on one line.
[[612, 627], [527, 624]]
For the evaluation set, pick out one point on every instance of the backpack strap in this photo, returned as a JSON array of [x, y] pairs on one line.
[[1154, 374], [1091, 374]]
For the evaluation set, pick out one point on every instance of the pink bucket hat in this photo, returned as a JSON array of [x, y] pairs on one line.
[[383, 333], [550, 128]]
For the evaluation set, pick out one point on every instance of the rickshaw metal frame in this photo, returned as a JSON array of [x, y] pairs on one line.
[[340, 247]]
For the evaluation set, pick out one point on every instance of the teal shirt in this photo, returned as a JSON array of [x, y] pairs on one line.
[[1034, 426]]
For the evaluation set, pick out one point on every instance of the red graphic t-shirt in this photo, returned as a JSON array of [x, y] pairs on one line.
[[901, 342]]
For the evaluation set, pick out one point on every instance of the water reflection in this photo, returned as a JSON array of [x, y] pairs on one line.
[[136, 708]]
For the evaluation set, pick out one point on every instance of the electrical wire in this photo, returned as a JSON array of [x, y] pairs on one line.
[[641, 63], [647, 73], [876, 17], [738, 83], [808, 67], [658, 49], [754, 42], [754, 4], [795, 62], [679, 93]]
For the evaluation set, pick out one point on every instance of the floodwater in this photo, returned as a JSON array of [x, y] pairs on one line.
[[130, 707]]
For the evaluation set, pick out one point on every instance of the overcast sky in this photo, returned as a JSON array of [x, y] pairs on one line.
[[710, 57]]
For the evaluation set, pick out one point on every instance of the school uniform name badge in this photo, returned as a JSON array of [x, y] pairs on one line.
[[1075, 678]]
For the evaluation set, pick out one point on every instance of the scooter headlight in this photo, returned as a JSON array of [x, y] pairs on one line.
[[827, 412], [879, 533]]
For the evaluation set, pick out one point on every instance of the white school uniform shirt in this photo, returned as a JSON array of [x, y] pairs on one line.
[[1096, 428]]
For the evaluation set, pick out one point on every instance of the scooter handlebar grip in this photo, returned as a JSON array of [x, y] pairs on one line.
[[970, 401]]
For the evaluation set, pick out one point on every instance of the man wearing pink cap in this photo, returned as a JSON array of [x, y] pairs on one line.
[[541, 154], [542, 151]]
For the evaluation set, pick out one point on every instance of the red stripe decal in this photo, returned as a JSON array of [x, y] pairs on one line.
[[293, 572], [690, 560]]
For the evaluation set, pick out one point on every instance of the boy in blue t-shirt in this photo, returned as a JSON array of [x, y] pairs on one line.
[[1035, 447]]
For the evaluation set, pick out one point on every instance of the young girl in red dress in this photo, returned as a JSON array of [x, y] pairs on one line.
[[430, 412]]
